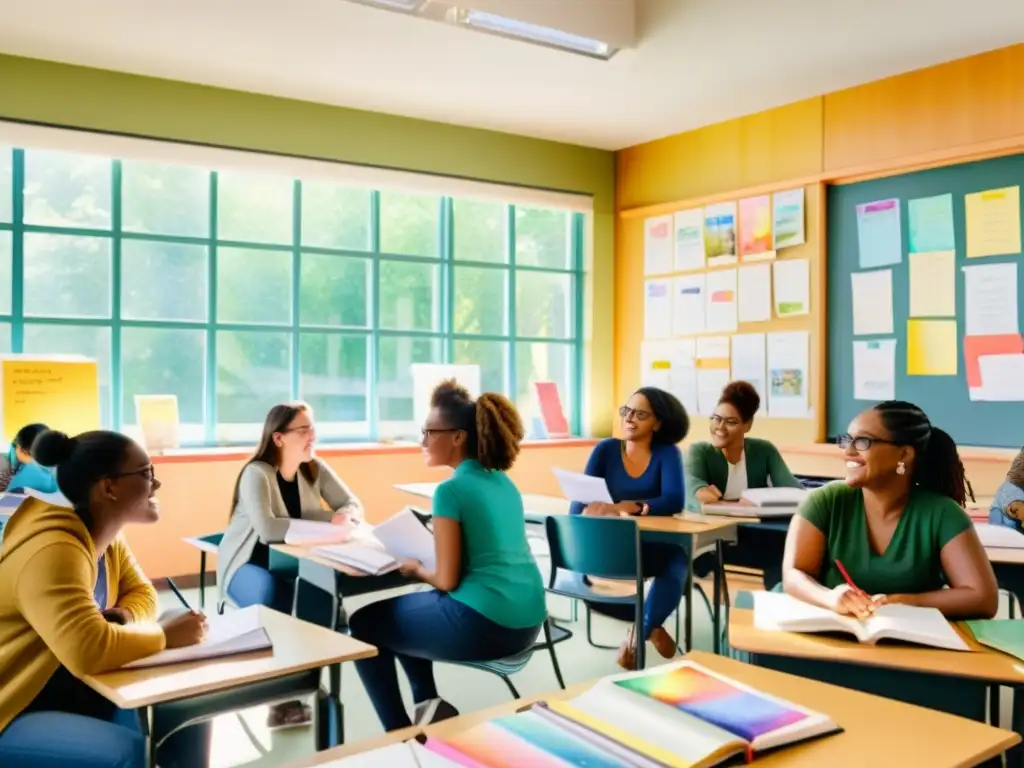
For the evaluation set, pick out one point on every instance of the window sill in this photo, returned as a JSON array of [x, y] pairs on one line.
[[241, 453]]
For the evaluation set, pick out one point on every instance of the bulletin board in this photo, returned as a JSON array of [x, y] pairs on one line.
[[631, 334], [946, 398]]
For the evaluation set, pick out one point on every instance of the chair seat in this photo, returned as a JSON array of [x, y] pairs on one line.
[[509, 665], [569, 584]]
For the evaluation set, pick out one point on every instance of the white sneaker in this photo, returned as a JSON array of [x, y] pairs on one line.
[[433, 711]]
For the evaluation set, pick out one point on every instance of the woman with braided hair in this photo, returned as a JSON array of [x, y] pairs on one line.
[[897, 524], [487, 600]]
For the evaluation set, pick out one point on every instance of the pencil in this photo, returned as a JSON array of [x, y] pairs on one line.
[[177, 592], [846, 576]]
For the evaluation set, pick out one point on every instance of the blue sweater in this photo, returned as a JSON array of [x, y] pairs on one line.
[[660, 487]]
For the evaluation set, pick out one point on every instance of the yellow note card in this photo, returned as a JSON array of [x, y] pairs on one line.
[[60, 391], [933, 284], [932, 348], [993, 222]]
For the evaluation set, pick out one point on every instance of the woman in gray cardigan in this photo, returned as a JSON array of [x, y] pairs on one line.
[[282, 482]]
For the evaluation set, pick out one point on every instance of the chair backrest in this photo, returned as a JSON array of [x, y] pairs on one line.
[[605, 547], [212, 538]]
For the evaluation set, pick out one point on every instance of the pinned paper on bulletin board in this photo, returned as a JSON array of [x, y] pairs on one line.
[[788, 218], [61, 391], [720, 234], [712, 359], [931, 224], [978, 348], [721, 300], [993, 222], [756, 228], [931, 348], [791, 281], [874, 370], [658, 245], [689, 310], [932, 284], [689, 237], [879, 237]]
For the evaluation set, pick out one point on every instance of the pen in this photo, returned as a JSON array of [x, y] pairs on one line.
[[178, 594], [846, 576]]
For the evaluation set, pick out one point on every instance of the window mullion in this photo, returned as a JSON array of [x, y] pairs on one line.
[[116, 369], [18, 251], [577, 304], [373, 353], [510, 315], [211, 320], [296, 362]]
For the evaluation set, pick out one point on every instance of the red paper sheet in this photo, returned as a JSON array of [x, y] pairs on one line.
[[979, 346]]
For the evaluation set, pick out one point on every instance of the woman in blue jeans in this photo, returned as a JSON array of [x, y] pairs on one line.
[[488, 596], [644, 474]]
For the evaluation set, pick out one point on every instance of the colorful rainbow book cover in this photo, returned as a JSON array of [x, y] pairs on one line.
[[521, 740], [743, 713]]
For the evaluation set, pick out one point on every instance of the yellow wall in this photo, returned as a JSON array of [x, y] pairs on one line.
[[958, 111]]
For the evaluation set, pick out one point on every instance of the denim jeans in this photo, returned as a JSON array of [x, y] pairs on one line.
[[418, 629], [667, 564]]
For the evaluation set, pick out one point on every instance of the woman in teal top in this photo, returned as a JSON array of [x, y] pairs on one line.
[[488, 597], [897, 525], [19, 471], [730, 464]]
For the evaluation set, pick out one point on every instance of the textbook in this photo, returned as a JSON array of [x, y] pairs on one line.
[[999, 536], [1006, 635], [306, 532], [680, 715], [906, 623], [760, 502], [234, 633], [381, 549], [405, 754]]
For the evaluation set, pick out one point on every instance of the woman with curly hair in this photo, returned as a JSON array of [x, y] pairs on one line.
[[1008, 505], [487, 600]]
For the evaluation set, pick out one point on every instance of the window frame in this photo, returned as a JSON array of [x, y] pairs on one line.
[[443, 333]]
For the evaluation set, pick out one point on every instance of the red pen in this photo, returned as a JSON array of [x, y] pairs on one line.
[[849, 581]]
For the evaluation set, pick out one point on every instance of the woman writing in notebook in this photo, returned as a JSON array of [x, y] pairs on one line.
[[487, 600], [283, 481], [729, 464], [897, 525], [73, 602], [644, 474]]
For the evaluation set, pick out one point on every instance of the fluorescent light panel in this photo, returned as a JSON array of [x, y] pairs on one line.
[[535, 33]]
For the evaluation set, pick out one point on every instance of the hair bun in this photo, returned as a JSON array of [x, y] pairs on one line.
[[52, 448]]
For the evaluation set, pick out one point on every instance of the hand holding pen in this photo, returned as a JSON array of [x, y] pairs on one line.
[[849, 599]]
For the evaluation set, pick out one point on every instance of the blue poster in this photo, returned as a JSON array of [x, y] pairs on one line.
[[931, 224], [878, 233]]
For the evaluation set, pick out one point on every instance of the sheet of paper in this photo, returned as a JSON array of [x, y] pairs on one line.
[[792, 284], [302, 532], [879, 237], [932, 284], [750, 362], [683, 382], [931, 348], [993, 222], [689, 305], [585, 489], [721, 300], [689, 232], [931, 224], [990, 299], [656, 364], [976, 347], [756, 228], [232, 633], [999, 536], [874, 370], [712, 359], [658, 308], [754, 286], [788, 379], [872, 302], [720, 234], [1002, 378], [658, 245], [788, 218], [404, 537]]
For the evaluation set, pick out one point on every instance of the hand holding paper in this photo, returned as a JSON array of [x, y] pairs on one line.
[[585, 489]]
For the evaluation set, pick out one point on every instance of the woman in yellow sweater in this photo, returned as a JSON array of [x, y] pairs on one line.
[[73, 603]]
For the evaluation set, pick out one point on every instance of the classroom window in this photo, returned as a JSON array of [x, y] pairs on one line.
[[236, 290]]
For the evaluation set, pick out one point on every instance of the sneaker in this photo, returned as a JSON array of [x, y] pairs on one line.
[[433, 711], [290, 714]]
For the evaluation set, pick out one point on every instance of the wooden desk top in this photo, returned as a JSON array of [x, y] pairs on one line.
[[205, 546], [306, 553], [685, 525], [983, 664], [298, 646], [1005, 555], [877, 731]]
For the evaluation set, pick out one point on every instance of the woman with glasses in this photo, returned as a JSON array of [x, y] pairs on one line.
[[724, 467], [283, 481], [487, 600], [897, 525], [74, 603], [644, 474]]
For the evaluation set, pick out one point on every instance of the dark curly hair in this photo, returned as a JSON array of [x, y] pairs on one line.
[[742, 396], [1016, 473], [675, 423], [494, 428]]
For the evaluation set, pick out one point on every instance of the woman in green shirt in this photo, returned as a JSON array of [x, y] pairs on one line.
[[897, 525], [729, 464]]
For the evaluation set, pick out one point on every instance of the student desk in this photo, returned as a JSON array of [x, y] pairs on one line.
[[205, 548], [876, 731], [172, 696]]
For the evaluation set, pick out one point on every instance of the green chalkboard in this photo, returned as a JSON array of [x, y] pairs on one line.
[[944, 398]]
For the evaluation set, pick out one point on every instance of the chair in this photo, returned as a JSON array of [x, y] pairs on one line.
[[205, 544], [510, 665], [603, 547]]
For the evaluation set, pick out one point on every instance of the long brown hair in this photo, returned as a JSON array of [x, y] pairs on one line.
[[278, 419]]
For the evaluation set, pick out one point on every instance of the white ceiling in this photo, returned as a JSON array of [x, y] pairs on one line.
[[697, 61]]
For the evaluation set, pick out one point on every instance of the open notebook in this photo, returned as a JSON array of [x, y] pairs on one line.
[[379, 550], [306, 532], [233, 633], [924, 626], [680, 715]]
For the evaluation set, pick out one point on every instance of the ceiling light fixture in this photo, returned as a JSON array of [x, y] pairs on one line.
[[404, 6], [532, 33]]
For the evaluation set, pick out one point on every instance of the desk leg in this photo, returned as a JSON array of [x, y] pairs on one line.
[[688, 589], [146, 726], [716, 620], [202, 580], [330, 731]]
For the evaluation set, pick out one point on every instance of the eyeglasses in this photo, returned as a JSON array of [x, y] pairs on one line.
[[302, 431], [428, 431], [147, 472], [625, 412], [729, 423], [861, 442]]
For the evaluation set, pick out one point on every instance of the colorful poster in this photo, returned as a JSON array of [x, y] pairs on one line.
[[721, 300], [879, 237], [658, 245], [788, 218], [689, 234], [874, 370], [932, 348], [993, 222], [931, 224], [792, 283], [788, 374], [932, 284], [756, 228], [872, 302], [720, 234]]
